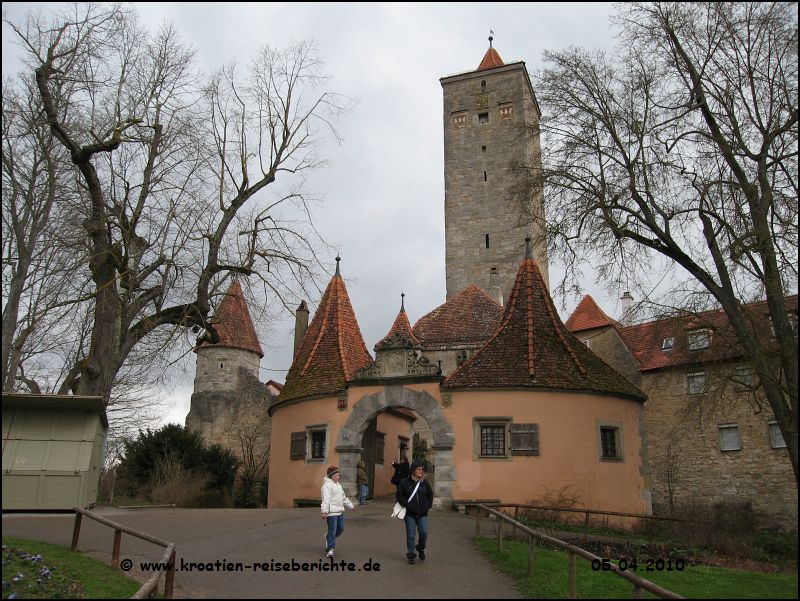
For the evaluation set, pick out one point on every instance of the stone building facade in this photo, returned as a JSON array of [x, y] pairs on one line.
[[491, 122], [709, 438]]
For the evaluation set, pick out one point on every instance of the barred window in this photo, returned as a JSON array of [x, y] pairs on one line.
[[493, 440], [608, 442], [318, 444]]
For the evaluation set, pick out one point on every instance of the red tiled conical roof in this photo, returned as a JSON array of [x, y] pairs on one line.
[[588, 315], [400, 331], [235, 327], [533, 349], [470, 316], [332, 350], [490, 60]]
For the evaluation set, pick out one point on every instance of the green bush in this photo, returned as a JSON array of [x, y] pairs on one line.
[[157, 462]]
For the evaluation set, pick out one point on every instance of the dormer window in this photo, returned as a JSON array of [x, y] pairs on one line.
[[699, 339], [667, 344]]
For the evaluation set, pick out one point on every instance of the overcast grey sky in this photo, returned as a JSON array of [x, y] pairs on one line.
[[383, 191]]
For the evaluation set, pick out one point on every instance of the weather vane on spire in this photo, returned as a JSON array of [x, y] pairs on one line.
[[491, 37]]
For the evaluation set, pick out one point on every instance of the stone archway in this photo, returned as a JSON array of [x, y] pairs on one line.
[[348, 441]]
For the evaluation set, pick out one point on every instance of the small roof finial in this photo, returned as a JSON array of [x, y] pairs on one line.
[[402, 301], [491, 37], [338, 258], [528, 254]]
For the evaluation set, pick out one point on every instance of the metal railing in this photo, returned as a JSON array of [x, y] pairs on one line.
[[168, 559], [639, 584]]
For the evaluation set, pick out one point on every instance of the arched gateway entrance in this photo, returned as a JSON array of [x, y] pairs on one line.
[[348, 442]]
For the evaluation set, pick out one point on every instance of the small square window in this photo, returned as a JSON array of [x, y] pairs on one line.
[[483, 118], [667, 344], [729, 438], [776, 440], [697, 383], [699, 339]]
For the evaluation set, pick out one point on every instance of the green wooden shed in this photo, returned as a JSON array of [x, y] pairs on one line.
[[52, 450]]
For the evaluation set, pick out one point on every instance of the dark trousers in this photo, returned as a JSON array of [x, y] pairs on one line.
[[414, 523]]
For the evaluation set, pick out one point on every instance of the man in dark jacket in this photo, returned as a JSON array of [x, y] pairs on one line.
[[417, 505]]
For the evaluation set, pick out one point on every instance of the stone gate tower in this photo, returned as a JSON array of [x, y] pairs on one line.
[[491, 120]]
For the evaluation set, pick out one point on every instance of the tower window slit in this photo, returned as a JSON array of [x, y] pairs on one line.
[[487, 240], [484, 176]]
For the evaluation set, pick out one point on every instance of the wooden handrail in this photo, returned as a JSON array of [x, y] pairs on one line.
[[638, 583], [167, 560]]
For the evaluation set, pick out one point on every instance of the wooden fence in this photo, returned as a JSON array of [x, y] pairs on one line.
[[639, 584], [167, 560]]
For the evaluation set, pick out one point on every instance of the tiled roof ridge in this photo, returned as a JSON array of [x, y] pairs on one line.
[[551, 310], [323, 307], [332, 351]]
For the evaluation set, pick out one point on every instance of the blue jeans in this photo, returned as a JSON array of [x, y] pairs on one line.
[[412, 524], [335, 528], [362, 493]]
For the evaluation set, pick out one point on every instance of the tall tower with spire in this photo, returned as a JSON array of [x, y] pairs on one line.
[[491, 121]]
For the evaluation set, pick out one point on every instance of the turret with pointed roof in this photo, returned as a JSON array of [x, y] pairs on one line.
[[533, 349], [332, 350], [234, 324]]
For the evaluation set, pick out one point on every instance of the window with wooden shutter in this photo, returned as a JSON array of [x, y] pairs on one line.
[[524, 439], [298, 448]]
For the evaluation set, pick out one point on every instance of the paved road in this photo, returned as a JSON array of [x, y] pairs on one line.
[[453, 569]]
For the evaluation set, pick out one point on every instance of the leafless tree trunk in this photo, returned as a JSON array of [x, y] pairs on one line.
[[685, 146]]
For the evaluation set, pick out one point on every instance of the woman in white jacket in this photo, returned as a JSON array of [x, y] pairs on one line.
[[333, 503]]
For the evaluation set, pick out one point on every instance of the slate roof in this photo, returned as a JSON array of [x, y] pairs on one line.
[[235, 327], [645, 341], [588, 315], [490, 60], [471, 316], [332, 350], [533, 349]]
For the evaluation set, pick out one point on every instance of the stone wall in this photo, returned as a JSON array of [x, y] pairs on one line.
[[683, 434]]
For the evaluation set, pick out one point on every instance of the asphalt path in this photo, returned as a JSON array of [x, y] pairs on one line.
[[245, 553]]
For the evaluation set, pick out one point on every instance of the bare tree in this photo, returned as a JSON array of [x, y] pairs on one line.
[[185, 182], [41, 270], [685, 146]]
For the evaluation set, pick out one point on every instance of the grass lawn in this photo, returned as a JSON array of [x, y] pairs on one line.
[[549, 578], [35, 570]]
